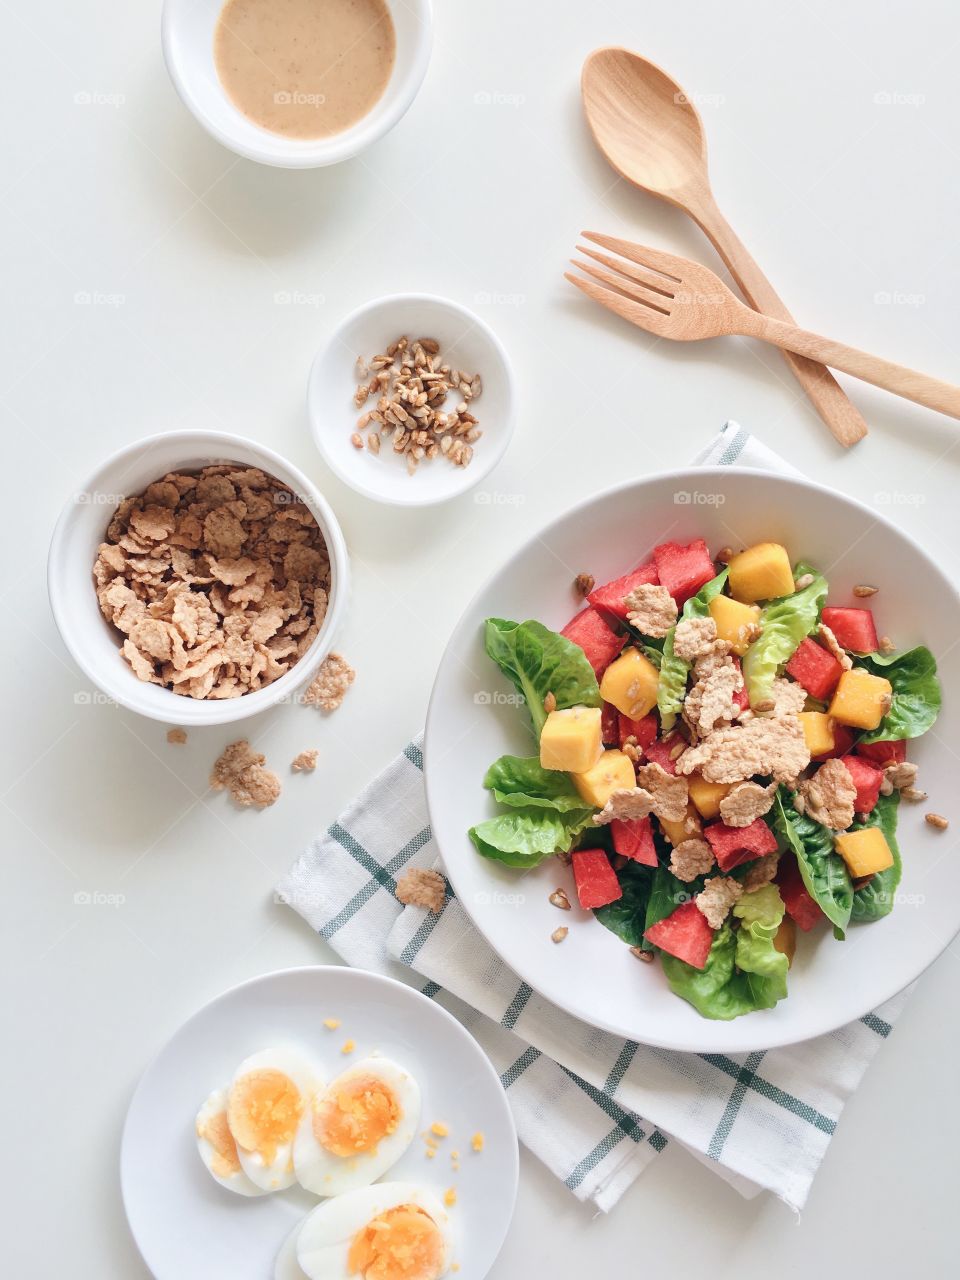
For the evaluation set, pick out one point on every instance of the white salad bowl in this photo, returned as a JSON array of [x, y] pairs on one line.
[[474, 718], [187, 31], [95, 645]]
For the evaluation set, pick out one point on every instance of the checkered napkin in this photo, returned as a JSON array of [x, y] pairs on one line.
[[594, 1108]]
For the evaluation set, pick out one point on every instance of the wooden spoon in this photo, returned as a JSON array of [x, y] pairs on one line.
[[652, 135]]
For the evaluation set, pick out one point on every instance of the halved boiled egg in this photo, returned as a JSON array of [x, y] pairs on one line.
[[217, 1147], [267, 1097], [286, 1266], [392, 1231], [357, 1128]]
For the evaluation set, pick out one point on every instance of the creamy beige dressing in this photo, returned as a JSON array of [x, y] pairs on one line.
[[304, 68]]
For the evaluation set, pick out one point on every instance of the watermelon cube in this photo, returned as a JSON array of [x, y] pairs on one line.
[[801, 907], [741, 698], [609, 598], [596, 880], [644, 731], [659, 752], [683, 569], [843, 738], [610, 725], [816, 669], [633, 838], [854, 628], [867, 778], [733, 845], [684, 934], [598, 641], [892, 751]]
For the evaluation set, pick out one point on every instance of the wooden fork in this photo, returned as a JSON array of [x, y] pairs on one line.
[[674, 297]]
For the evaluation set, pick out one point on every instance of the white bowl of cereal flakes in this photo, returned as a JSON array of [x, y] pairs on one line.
[[198, 578]]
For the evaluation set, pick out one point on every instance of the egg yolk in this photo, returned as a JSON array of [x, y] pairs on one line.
[[263, 1111], [355, 1116], [224, 1162], [402, 1244]]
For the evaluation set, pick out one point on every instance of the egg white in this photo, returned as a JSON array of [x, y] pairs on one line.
[[237, 1182], [276, 1174], [323, 1244], [286, 1266], [327, 1174]]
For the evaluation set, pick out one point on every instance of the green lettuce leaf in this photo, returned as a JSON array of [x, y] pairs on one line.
[[875, 899], [539, 661], [823, 871], [744, 970], [521, 782], [525, 837], [672, 687], [627, 916], [784, 623], [916, 692]]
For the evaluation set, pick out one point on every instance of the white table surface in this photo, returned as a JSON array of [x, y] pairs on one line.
[[110, 190]]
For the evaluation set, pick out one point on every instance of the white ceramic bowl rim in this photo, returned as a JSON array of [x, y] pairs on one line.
[[117, 681], [247, 139], [756, 1031], [486, 456]]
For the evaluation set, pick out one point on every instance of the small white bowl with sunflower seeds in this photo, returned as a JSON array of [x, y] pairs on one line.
[[412, 400]]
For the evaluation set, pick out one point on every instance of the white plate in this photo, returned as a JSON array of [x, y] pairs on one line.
[[189, 1228], [473, 719]]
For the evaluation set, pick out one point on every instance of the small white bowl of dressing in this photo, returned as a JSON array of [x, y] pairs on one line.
[[297, 83]]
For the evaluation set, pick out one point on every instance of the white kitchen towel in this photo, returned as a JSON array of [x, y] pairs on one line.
[[594, 1108]]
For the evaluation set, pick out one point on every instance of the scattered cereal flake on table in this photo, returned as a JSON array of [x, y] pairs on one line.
[[329, 686], [349, 1046], [477, 1141], [305, 762], [421, 887], [176, 737], [331, 1023], [240, 771]]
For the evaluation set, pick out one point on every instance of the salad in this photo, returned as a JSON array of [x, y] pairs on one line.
[[721, 757]]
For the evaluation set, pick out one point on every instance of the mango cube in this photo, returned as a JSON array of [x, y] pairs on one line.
[[733, 621], [785, 939], [861, 700], [677, 832], [865, 852], [630, 683], [706, 796], [762, 572], [818, 731], [612, 772], [571, 739]]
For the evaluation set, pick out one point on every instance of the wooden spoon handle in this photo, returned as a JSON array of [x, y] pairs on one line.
[[919, 387], [827, 396]]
